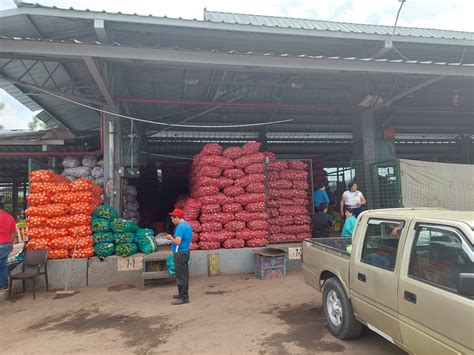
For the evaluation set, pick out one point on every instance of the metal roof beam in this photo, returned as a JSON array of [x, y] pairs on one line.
[[17, 142], [101, 84], [99, 28], [60, 93], [246, 62], [406, 93]]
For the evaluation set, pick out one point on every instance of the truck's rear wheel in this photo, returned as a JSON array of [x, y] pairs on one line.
[[338, 310]]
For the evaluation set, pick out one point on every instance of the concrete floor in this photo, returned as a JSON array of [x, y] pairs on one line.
[[227, 315]]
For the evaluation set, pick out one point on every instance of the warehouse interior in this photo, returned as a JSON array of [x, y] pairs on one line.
[[304, 88]]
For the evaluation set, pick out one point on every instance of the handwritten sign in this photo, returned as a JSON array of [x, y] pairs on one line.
[[132, 263], [294, 253]]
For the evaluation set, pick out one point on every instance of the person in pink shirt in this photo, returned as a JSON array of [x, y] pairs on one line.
[[7, 231]]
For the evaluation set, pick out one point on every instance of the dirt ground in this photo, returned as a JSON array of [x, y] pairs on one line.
[[236, 314]]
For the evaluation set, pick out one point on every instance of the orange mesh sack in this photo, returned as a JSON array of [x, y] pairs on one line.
[[82, 253], [49, 187], [52, 210], [38, 244], [62, 243], [45, 176], [32, 222], [39, 198], [81, 231], [81, 208], [58, 254]]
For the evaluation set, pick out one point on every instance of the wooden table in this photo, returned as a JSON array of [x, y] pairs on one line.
[[157, 258]]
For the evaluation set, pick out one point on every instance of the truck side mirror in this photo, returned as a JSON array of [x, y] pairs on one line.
[[466, 284]]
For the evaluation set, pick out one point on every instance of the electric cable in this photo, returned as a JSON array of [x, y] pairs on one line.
[[162, 123], [394, 29]]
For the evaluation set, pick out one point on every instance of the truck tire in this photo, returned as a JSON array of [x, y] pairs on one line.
[[338, 311]]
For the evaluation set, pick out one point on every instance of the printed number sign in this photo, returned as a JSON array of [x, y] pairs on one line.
[[130, 264], [294, 253]]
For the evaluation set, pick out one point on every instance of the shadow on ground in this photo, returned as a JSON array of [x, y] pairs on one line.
[[306, 329]]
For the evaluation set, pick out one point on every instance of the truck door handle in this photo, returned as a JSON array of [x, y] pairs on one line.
[[361, 277], [410, 297]]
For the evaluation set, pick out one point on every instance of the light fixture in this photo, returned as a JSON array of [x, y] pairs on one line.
[[455, 98], [189, 81], [297, 85], [371, 100]]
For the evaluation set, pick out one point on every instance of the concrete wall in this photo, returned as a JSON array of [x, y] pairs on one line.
[[112, 270]]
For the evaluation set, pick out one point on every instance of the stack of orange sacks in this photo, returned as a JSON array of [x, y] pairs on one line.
[[60, 211]]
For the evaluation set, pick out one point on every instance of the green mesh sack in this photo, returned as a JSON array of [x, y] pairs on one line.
[[126, 249], [103, 237], [105, 212], [145, 233], [104, 249], [146, 244], [125, 237], [100, 225], [120, 225]]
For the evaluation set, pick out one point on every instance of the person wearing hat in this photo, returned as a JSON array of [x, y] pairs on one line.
[[181, 242]]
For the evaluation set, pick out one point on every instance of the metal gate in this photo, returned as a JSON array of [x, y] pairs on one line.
[[379, 181], [13, 195]]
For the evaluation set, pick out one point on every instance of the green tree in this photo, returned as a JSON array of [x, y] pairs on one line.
[[36, 124]]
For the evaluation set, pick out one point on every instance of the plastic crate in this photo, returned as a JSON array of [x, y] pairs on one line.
[[270, 264]]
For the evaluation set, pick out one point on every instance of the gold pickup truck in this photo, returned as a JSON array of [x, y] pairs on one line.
[[407, 274]]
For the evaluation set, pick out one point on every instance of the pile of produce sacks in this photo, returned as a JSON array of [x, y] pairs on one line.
[[288, 201], [119, 236], [229, 185], [130, 204], [59, 213], [89, 168]]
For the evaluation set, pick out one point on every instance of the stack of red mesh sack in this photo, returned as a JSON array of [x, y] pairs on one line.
[[59, 212], [288, 201], [229, 183]]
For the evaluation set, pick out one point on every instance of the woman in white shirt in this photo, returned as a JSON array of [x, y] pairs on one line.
[[352, 199]]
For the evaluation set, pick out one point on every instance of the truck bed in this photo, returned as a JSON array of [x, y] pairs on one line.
[[338, 245], [321, 255]]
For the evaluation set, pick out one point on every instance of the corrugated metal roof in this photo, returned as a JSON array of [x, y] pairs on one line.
[[275, 22], [318, 25], [25, 100], [52, 109]]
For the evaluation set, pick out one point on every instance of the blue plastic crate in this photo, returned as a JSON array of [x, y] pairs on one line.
[[270, 264]]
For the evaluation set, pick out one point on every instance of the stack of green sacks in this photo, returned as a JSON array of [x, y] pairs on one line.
[[124, 236], [113, 235], [145, 240], [102, 230]]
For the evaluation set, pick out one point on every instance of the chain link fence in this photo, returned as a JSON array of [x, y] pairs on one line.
[[13, 195], [379, 181]]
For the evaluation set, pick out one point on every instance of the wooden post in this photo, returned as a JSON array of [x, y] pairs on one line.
[[213, 264]]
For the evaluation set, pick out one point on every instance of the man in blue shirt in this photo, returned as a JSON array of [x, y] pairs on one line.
[[321, 196], [181, 242]]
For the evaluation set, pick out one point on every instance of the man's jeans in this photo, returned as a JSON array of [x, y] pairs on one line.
[[5, 250], [182, 273]]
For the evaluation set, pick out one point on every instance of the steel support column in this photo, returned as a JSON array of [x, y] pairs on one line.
[[113, 159]]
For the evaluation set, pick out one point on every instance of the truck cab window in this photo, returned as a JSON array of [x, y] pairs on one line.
[[439, 255], [381, 243]]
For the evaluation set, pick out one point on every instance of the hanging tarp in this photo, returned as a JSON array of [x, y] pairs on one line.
[[438, 185]]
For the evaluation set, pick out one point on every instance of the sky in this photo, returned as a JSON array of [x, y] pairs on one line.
[[442, 14]]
